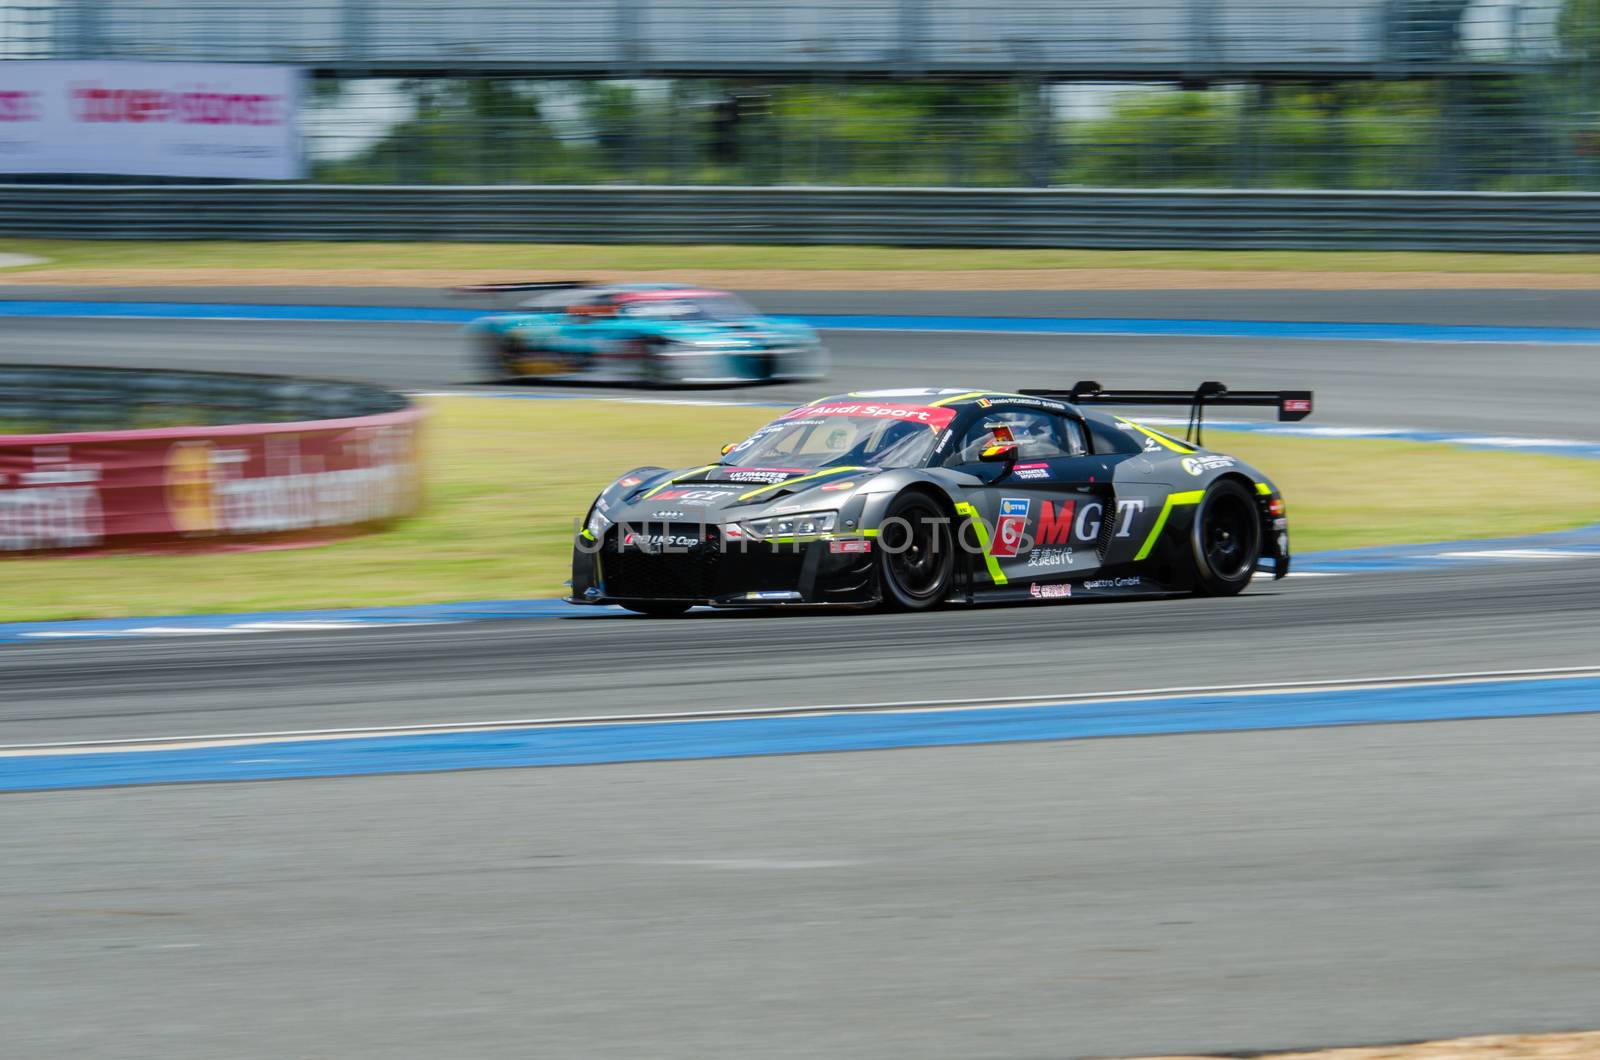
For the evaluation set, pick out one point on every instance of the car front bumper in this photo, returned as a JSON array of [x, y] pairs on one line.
[[830, 570]]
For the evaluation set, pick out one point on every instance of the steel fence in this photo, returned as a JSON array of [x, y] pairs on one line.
[[1101, 218], [668, 37]]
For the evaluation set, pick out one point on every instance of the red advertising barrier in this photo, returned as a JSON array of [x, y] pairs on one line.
[[207, 487]]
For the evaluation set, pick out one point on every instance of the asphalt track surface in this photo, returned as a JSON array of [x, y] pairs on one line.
[[1522, 389], [1223, 892]]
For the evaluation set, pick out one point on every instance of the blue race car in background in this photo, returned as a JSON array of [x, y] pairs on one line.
[[648, 334]]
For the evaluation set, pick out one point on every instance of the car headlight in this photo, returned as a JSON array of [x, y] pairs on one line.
[[598, 522], [786, 525]]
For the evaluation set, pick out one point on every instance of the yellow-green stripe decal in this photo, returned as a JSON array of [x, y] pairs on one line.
[[959, 397], [657, 489], [1176, 447], [1263, 489], [995, 573], [803, 478], [1174, 500]]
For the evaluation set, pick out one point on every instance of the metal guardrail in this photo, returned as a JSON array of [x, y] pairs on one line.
[[42, 399], [1093, 218]]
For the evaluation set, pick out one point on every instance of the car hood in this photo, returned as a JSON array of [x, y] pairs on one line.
[[717, 493]]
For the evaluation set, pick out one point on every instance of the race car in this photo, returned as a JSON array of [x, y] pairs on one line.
[[907, 499], [648, 334]]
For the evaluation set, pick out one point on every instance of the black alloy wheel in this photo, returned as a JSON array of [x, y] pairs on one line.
[[916, 554], [1226, 539]]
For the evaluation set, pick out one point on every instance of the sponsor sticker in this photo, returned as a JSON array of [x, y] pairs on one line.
[[1199, 465], [694, 496], [1031, 471], [1297, 405], [1114, 583], [1050, 557], [1048, 592], [654, 542], [765, 475], [1011, 527], [850, 545]]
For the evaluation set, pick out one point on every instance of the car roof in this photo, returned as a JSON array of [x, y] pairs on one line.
[[568, 295], [947, 397]]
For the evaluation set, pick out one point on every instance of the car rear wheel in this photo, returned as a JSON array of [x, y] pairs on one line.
[[1225, 539], [916, 555], [664, 609]]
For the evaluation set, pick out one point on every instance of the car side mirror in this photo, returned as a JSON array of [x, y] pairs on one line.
[[728, 448], [1004, 454]]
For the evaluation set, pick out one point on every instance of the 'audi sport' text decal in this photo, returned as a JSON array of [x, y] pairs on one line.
[[936, 418]]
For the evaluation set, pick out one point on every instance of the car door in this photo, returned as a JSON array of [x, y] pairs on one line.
[[1044, 519]]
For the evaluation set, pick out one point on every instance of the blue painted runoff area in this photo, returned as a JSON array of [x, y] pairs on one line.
[[677, 741], [1453, 555], [1234, 329]]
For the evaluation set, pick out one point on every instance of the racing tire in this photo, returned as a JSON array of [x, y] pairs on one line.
[[916, 554], [1225, 539], [664, 609], [652, 369], [495, 358]]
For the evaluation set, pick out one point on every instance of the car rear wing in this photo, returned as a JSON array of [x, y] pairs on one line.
[[512, 288], [1291, 404]]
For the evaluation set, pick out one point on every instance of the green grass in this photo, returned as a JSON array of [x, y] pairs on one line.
[[204, 255], [510, 477]]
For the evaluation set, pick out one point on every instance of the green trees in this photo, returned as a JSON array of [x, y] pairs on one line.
[[1523, 132]]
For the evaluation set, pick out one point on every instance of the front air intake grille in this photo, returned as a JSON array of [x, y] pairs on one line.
[[631, 576], [648, 571], [698, 572]]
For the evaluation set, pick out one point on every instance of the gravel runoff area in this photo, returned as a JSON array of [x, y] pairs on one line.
[[1084, 279], [1584, 1045]]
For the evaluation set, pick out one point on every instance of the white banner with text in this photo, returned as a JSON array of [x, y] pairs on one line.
[[150, 119]]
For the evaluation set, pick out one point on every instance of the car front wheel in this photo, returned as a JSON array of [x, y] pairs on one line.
[[916, 554]]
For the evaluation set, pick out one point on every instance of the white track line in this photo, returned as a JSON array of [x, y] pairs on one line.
[[161, 743]]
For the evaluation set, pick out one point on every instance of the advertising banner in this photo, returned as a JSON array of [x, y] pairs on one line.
[[206, 486], [150, 119]]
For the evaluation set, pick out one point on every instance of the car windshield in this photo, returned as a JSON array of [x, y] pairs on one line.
[[673, 305], [845, 434]]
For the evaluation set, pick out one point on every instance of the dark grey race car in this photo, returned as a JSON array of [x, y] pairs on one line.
[[909, 498]]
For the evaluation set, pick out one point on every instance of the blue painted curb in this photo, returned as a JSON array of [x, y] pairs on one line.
[[398, 615], [675, 741], [1329, 331]]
